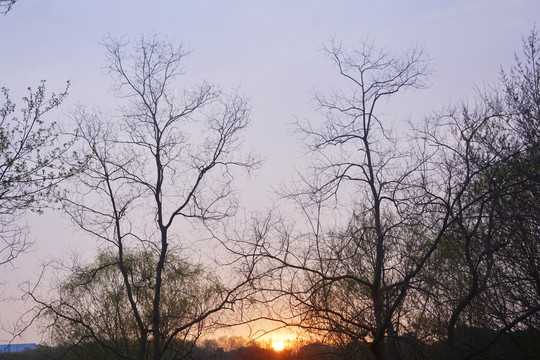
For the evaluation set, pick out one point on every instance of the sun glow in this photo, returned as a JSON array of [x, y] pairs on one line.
[[278, 346]]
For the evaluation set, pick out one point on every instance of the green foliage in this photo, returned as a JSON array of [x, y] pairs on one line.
[[94, 307], [29, 150], [31, 163], [484, 273]]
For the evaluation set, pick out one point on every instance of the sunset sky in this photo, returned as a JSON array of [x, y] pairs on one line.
[[269, 50]]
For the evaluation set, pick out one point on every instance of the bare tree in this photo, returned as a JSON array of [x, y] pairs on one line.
[[168, 161], [399, 240], [359, 160], [347, 264]]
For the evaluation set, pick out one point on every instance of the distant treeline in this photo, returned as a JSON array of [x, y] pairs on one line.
[[523, 344]]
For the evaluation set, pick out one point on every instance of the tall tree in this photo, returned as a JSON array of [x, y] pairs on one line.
[[401, 239], [168, 161], [349, 279]]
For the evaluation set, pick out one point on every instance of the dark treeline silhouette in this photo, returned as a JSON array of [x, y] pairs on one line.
[[523, 344]]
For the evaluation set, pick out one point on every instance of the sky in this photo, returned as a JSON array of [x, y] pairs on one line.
[[269, 50]]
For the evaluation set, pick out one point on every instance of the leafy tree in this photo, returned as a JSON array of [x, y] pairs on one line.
[[516, 307], [31, 164], [521, 87], [93, 306], [483, 274]]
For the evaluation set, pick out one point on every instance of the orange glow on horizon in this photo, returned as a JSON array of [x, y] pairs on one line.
[[278, 346]]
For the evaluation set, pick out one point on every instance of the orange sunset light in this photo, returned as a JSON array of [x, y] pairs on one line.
[[278, 346]]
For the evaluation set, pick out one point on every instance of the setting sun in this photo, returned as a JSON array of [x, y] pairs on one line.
[[278, 346]]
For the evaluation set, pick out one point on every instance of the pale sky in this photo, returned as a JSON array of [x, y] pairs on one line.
[[269, 50]]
